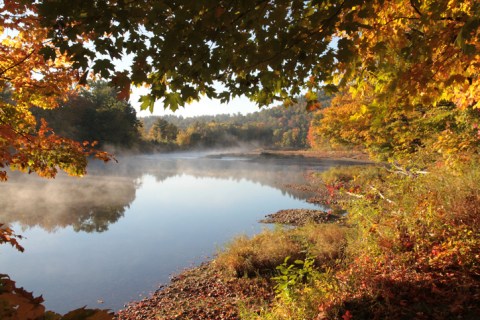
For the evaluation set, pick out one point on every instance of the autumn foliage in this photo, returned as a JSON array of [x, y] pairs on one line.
[[409, 95], [33, 73], [410, 85], [406, 78]]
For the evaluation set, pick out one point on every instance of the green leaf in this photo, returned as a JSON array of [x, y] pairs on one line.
[[330, 89], [172, 101], [311, 96], [188, 93], [103, 67], [147, 102]]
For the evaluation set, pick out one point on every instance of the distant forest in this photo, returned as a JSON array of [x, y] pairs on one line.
[[97, 115], [276, 127]]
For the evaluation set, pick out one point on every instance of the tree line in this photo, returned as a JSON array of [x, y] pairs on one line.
[[275, 127], [96, 114]]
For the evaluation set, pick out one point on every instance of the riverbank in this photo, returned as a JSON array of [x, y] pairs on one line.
[[203, 292], [213, 290], [334, 155], [216, 290], [352, 155], [408, 249]]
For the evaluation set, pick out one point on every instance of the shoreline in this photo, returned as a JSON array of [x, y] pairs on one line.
[[201, 292], [350, 156], [208, 292]]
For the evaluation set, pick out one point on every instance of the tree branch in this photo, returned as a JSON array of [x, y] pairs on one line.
[[415, 8], [381, 195], [300, 39], [16, 64]]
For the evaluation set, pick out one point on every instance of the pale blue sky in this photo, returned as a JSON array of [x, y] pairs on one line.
[[203, 107]]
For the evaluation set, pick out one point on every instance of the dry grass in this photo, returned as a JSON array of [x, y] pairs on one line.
[[259, 254], [262, 253], [326, 241]]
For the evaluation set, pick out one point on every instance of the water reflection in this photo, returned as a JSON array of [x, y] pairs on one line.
[[92, 203], [124, 228]]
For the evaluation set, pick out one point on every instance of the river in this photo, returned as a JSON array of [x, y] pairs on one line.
[[120, 232]]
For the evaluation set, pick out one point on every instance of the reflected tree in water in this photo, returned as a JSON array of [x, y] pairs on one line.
[[90, 204], [98, 218]]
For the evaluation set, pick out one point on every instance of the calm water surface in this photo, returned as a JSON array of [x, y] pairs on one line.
[[123, 230]]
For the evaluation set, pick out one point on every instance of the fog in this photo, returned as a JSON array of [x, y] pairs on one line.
[[100, 198]]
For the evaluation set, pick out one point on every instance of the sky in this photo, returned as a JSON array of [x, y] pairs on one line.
[[203, 107]]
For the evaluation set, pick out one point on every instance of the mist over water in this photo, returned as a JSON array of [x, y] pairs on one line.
[[121, 231]]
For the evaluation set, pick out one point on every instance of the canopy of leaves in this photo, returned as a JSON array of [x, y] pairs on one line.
[[266, 50], [391, 56], [270, 49], [412, 85]]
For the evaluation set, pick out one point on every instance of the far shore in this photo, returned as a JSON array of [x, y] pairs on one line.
[[334, 155]]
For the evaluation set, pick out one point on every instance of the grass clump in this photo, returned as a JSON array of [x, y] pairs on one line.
[[299, 260], [261, 254], [325, 242]]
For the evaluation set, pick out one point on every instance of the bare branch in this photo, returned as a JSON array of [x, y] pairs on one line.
[[381, 195]]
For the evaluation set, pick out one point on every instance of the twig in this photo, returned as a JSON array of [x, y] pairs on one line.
[[407, 172], [381, 195], [355, 195]]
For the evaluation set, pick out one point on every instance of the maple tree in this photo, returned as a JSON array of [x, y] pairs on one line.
[[411, 84], [269, 50], [399, 61], [265, 50], [33, 73]]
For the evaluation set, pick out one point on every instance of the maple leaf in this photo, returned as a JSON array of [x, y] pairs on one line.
[[347, 315]]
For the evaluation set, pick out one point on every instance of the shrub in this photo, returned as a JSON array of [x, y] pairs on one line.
[[411, 249]]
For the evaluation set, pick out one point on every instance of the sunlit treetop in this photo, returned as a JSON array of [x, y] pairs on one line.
[[418, 52], [424, 51], [411, 88]]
